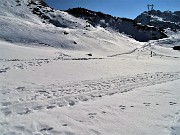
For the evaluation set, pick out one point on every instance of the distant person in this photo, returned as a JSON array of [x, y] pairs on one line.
[[151, 53]]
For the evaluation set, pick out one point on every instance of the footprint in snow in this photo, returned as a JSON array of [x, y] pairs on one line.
[[122, 107], [64, 125], [46, 129], [6, 103], [103, 112], [20, 88], [172, 103], [147, 104], [24, 111], [92, 115], [50, 107], [38, 108]]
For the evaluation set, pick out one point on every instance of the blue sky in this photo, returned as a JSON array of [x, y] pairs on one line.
[[119, 8]]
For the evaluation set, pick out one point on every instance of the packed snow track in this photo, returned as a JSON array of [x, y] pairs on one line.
[[32, 99]]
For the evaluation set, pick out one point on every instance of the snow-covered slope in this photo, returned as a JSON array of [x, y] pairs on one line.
[[166, 19], [21, 22], [43, 91]]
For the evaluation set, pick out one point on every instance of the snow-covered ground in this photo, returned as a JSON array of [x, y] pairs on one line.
[[149, 110], [45, 91], [84, 82]]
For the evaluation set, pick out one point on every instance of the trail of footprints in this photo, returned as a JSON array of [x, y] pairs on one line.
[[18, 64], [105, 87], [93, 116], [50, 97], [24, 64], [123, 107]]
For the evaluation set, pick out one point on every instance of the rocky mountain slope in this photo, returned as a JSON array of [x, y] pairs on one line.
[[166, 19], [122, 25]]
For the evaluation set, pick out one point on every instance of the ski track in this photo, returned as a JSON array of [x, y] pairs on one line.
[[130, 52], [32, 99], [141, 49], [147, 48]]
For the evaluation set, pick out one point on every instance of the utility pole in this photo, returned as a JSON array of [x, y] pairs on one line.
[[150, 8]]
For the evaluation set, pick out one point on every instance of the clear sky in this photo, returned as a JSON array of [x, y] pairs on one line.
[[119, 8]]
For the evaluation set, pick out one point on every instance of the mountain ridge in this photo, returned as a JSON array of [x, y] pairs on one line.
[[163, 20], [122, 25]]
